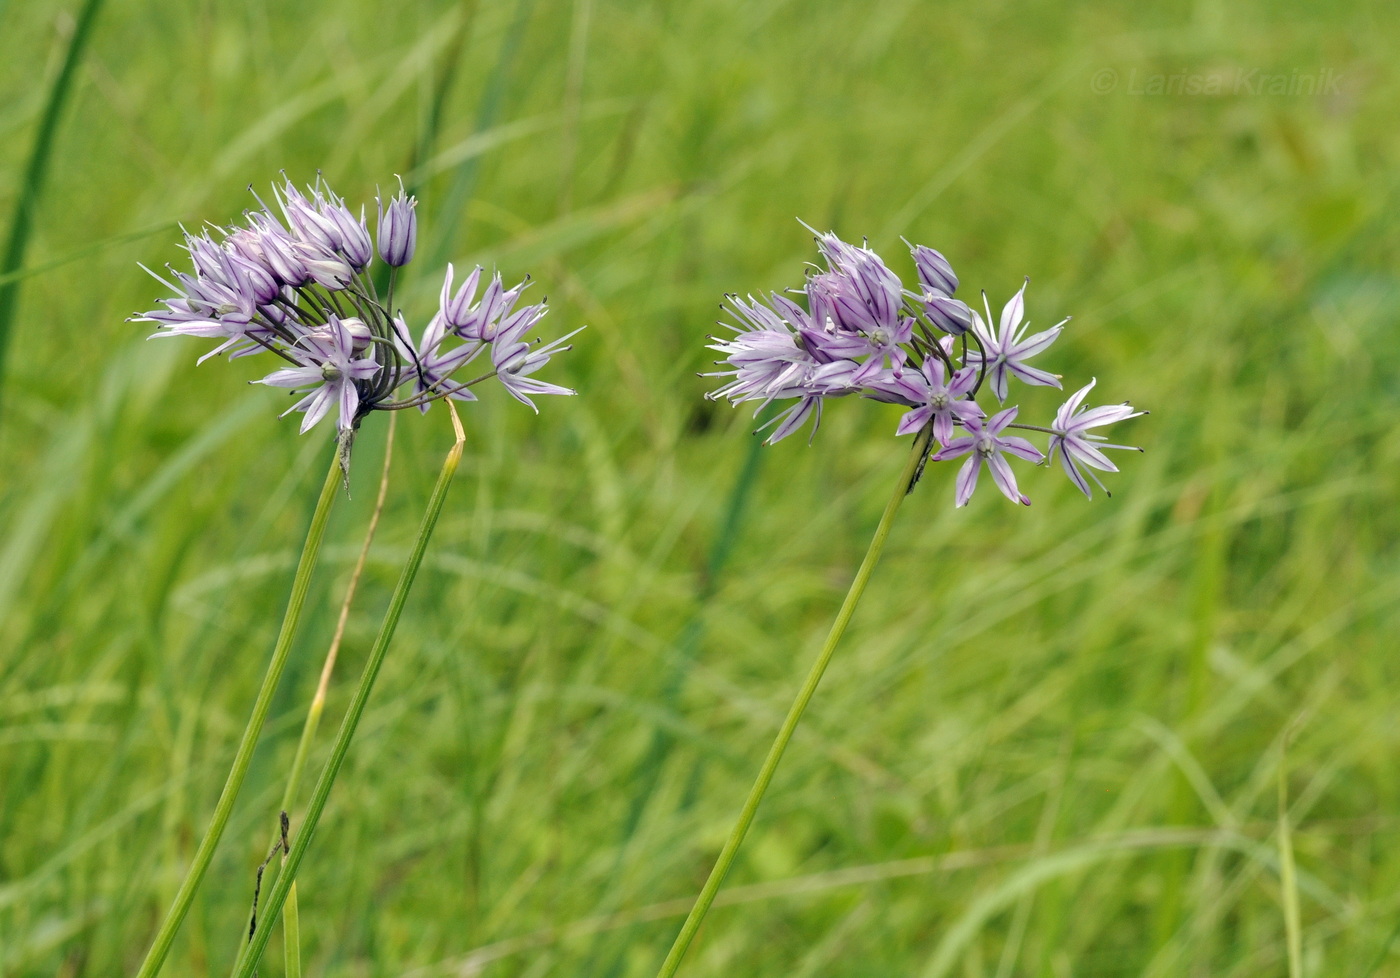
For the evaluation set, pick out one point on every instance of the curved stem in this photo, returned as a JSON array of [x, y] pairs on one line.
[[291, 919], [981, 350], [205, 853], [804, 696], [248, 963], [438, 391]]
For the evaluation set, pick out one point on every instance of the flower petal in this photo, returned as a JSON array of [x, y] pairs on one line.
[[1108, 414], [915, 420], [1011, 314], [292, 377], [349, 404], [967, 480], [1034, 376], [793, 418], [1004, 478], [1001, 419], [997, 375], [1064, 416], [1020, 448], [320, 403], [1075, 475], [1036, 344], [1089, 455], [954, 448]]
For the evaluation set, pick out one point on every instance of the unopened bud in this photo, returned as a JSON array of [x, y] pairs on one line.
[[360, 335], [398, 229], [948, 314], [934, 270]]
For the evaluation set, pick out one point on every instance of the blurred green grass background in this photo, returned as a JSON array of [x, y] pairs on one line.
[[1051, 742]]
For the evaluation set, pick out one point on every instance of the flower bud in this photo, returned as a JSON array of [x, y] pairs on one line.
[[303, 220], [207, 257], [948, 314], [836, 303], [360, 334], [253, 279], [283, 258], [355, 246], [398, 228], [246, 244], [934, 270]]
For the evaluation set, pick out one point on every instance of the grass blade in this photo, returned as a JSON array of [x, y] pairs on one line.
[[32, 184], [464, 182]]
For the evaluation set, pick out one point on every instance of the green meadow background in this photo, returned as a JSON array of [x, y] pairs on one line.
[[1055, 742]]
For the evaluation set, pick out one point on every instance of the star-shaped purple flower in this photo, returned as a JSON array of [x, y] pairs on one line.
[[879, 345], [515, 360], [934, 397], [1007, 350], [492, 315], [1076, 447], [330, 370], [986, 445]]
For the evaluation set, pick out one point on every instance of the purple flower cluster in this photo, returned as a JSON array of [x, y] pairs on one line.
[[295, 283], [861, 331]]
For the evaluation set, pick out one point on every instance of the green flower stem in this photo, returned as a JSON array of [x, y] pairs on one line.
[[291, 918], [202, 857], [804, 696], [278, 896]]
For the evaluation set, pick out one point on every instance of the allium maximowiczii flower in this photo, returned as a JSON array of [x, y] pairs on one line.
[[1005, 351], [330, 373], [1074, 445], [938, 399], [295, 284], [986, 445], [860, 331]]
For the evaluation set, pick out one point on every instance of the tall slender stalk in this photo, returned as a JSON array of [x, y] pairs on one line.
[[291, 919], [202, 857], [799, 706], [277, 898]]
